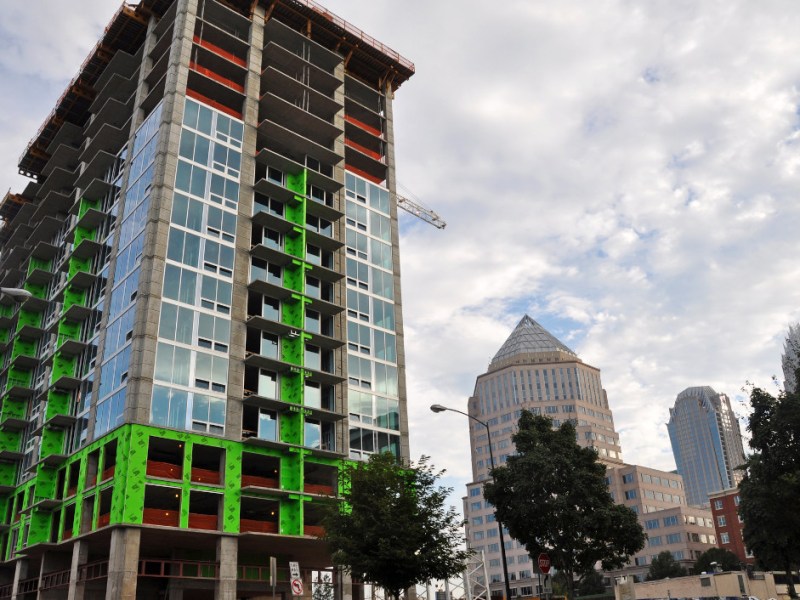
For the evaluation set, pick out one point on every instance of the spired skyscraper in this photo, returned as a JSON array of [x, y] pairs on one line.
[[790, 360], [211, 247], [706, 442]]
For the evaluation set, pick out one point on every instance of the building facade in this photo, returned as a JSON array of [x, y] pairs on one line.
[[790, 359], [728, 524], [535, 371], [532, 370], [659, 500], [706, 442], [210, 243]]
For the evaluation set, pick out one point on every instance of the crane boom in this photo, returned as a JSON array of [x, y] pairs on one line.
[[420, 212]]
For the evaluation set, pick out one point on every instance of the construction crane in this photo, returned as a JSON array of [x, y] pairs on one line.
[[419, 211]]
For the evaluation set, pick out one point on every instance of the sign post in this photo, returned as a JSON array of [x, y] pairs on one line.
[[273, 574], [294, 579], [544, 568]]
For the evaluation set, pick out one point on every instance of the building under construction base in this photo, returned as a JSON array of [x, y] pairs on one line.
[[210, 244]]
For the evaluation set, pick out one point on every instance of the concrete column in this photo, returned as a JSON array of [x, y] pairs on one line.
[[391, 183], [123, 564], [244, 227], [80, 556], [145, 331], [20, 574], [52, 562], [228, 558]]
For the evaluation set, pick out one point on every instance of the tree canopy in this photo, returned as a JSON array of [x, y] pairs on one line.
[[591, 584], [392, 528], [771, 486], [725, 559], [552, 497], [664, 565]]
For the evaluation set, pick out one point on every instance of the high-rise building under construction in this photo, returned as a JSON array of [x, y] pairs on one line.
[[209, 241]]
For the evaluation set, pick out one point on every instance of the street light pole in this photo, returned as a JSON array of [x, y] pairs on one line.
[[16, 294], [437, 408]]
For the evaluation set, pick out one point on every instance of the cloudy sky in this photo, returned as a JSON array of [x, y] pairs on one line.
[[625, 172]]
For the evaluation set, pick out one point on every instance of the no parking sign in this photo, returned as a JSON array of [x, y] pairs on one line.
[[295, 582]]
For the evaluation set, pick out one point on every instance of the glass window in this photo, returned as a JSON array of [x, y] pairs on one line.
[[208, 414], [313, 357], [313, 321], [267, 384], [267, 425], [313, 434], [270, 345], [313, 394], [169, 407], [271, 309]]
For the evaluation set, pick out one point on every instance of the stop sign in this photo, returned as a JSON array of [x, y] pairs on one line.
[[544, 563]]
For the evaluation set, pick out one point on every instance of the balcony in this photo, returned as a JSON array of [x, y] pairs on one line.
[[164, 470]]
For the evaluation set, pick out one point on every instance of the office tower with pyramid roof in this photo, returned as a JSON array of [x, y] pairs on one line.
[[535, 371]]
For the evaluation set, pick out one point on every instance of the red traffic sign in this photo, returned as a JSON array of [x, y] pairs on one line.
[[297, 587], [544, 563]]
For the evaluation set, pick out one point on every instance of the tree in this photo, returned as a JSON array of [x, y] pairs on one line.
[[770, 488], [552, 497], [664, 565], [392, 528], [591, 584], [725, 559]]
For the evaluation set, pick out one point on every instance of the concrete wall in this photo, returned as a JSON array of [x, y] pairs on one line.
[[717, 585]]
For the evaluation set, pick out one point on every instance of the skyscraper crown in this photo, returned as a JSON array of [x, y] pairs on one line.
[[528, 337]]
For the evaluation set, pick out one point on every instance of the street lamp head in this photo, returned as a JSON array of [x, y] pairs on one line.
[[16, 294], [437, 408]]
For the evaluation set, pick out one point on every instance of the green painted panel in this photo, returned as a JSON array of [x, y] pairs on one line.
[[52, 442], [57, 403], [27, 317], [85, 205], [73, 296], [132, 466], [295, 243], [40, 291], [128, 484], [38, 263], [77, 265], [19, 377], [294, 276], [82, 233], [291, 517], [9, 440], [293, 312], [291, 471], [23, 348], [231, 500], [8, 471], [68, 330], [292, 350], [63, 366], [13, 410], [291, 389]]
